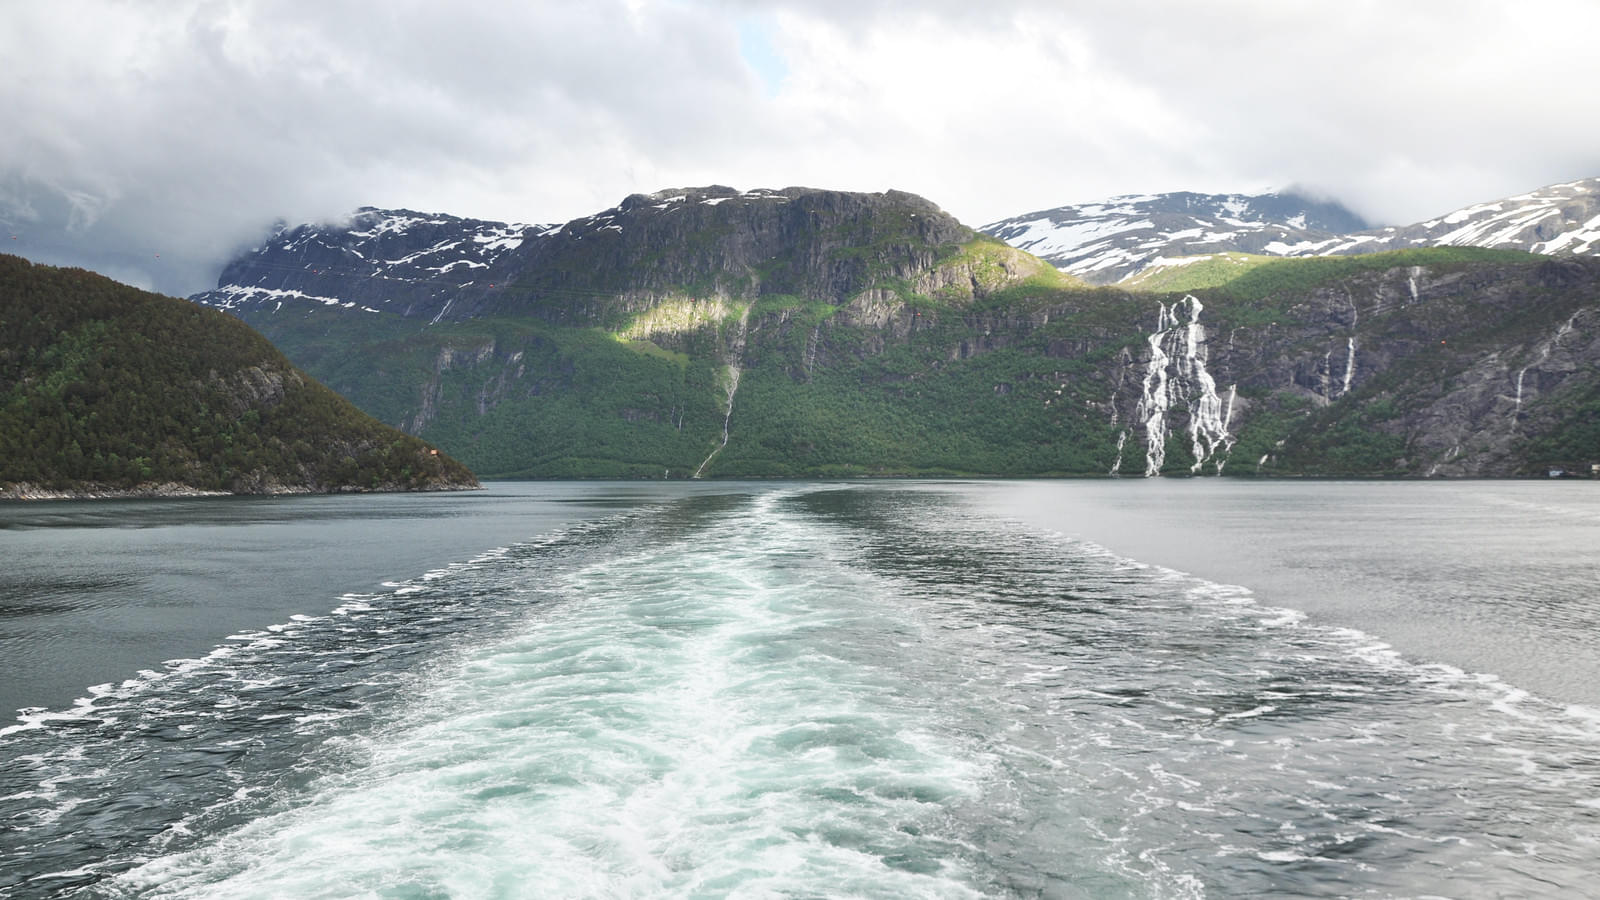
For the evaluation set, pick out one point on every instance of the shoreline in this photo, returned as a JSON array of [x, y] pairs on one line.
[[25, 492]]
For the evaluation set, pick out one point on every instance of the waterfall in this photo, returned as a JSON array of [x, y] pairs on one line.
[[1153, 402], [1121, 440], [1349, 367], [1544, 354], [1350, 356], [735, 361], [1176, 374]]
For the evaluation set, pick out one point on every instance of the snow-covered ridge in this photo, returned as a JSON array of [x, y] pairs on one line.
[[398, 243], [1108, 241], [376, 259], [1115, 239], [1558, 219]]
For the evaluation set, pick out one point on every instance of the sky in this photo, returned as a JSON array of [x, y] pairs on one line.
[[153, 141]]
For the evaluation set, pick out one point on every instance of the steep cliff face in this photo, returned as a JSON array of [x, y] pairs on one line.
[[815, 244], [713, 332], [1454, 369]]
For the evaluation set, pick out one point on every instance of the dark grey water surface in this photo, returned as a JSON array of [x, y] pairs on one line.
[[1496, 577], [95, 591], [781, 689]]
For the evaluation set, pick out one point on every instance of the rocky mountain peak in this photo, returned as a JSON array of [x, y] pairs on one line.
[[713, 240]]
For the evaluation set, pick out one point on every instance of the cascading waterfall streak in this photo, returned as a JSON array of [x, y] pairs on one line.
[[1176, 374], [1544, 354], [735, 369], [1349, 367]]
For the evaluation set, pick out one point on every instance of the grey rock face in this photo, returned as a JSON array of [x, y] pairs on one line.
[[1461, 368]]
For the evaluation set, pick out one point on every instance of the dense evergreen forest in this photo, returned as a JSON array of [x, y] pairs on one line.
[[104, 387]]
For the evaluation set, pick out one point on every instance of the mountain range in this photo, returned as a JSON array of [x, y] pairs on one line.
[[716, 332]]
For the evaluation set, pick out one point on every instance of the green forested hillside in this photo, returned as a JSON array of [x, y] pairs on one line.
[[105, 387], [713, 333], [1375, 366], [820, 392]]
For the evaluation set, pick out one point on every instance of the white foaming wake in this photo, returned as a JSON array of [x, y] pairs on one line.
[[687, 723]]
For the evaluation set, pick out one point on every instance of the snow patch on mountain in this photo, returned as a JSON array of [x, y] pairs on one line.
[[234, 296]]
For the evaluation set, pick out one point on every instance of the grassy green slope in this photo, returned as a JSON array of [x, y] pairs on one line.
[[1194, 273], [1253, 276]]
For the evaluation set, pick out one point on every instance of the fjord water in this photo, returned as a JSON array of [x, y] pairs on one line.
[[942, 690], [1497, 577], [93, 591]]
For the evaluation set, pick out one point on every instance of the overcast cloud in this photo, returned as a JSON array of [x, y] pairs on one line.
[[151, 141]]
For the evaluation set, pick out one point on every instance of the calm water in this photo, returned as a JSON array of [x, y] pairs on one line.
[[786, 690]]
